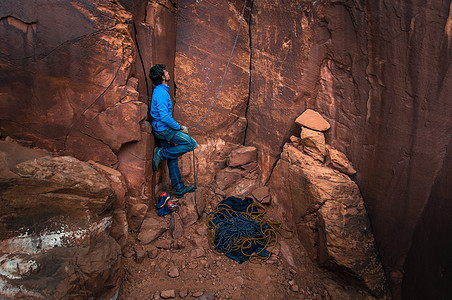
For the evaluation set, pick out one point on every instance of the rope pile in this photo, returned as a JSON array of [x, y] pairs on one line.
[[244, 235]]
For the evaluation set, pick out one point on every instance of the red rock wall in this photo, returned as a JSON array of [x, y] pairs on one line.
[[206, 32], [65, 63], [378, 71], [383, 80], [74, 78]]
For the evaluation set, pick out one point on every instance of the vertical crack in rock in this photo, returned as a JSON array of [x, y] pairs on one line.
[[250, 71], [137, 45]]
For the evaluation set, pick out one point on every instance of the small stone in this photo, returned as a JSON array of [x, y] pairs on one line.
[[207, 296], [294, 288], [152, 251], [157, 296], [239, 280], [183, 293], [202, 230], [157, 268], [140, 253], [176, 227], [167, 294], [196, 253], [198, 294], [173, 272], [293, 271], [163, 244]]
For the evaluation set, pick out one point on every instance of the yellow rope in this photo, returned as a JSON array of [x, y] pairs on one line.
[[254, 212]]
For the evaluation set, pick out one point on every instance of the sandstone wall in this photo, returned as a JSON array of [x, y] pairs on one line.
[[206, 32], [74, 78], [382, 73], [378, 71]]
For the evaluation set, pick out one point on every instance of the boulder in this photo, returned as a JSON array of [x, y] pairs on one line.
[[242, 156], [313, 120], [58, 212], [151, 228], [243, 187], [330, 217], [116, 180], [313, 135]]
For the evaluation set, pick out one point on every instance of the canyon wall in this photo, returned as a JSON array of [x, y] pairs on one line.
[[379, 72]]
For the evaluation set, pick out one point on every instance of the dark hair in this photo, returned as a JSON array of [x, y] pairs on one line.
[[156, 73]]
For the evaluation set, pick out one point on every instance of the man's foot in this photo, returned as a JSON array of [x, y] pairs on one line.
[[184, 190], [163, 199], [156, 159]]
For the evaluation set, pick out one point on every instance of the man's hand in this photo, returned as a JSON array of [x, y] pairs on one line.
[[184, 129]]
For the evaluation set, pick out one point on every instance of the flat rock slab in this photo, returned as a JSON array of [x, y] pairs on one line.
[[242, 156], [151, 229], [313, 120]]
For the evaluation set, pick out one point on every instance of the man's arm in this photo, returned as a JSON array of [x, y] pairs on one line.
[[165, 113]]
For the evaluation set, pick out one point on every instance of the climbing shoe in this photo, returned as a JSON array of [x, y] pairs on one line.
[[184, 190], [163, 199], [156, 159], [169, 207]]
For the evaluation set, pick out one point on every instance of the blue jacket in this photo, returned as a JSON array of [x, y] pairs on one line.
[[162, 109]]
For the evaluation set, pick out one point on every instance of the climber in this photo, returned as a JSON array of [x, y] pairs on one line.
[[174, 137]]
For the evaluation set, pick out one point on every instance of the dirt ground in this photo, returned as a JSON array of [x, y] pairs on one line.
[[187, 268]]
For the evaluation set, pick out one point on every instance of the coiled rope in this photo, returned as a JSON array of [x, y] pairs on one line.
[[246, 233]]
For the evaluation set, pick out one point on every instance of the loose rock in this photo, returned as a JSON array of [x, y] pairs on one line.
[[151, 229], [173, 272], [313, 120], [168, 294]]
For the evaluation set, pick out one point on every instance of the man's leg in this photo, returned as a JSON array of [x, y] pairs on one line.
[[184, 143], [174, 172]]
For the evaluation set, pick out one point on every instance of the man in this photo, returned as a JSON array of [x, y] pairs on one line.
[[174, 137]]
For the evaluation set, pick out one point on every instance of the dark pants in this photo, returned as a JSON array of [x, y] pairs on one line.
[[174, 144]]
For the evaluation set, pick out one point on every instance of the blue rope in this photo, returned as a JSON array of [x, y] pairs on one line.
[[236, 230]]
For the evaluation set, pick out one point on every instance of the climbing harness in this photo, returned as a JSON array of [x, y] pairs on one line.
[[215, 99], [238, 230]]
